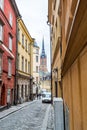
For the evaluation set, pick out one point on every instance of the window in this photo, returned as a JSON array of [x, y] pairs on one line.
[[26, 65], [9, 67], [36, 58], [22, 39], [1, 32], [18, 60], [1, 4], [18, 34], [28, 48], [10, 43], [37, 79], [29, 67], [26, 45], [0, 63], [22, 64], [37, 51], [37, 69], [10, 19]]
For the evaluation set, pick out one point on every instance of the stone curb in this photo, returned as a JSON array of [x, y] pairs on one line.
[[44, 125], [17, 109]]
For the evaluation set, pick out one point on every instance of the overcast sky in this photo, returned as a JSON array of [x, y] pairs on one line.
[[34, 14]]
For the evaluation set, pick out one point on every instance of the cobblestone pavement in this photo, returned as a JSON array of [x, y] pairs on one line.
[[29, 118], [50, 123]]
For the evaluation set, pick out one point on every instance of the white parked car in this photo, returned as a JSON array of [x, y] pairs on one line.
[[46, 97]]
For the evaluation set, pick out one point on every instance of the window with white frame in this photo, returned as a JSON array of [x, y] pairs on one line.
[[0, 63], [10, 19], [1, 32], [37, 79], [2, 4], [26, 65], [29, 67], [18, 34], [22, 63], [37, 69], [22, 39], [10, 42], [9, 67], [18, 60], [26, 45]]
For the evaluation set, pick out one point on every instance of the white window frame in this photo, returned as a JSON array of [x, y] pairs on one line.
[[0, 62], [1, 32], [10, 19], [10, 43], [9, 67], [2, 4]]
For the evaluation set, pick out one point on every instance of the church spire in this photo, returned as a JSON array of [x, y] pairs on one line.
[[43, 49], [43, 44]]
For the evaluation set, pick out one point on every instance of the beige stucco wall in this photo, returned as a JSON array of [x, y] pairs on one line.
[[36, 74]]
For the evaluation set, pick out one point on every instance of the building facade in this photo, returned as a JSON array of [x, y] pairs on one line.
[[8, 17], [36, 65], [54, 20], [24, 66], [73, 17]]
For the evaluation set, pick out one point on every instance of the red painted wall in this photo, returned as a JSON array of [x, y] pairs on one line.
[[4, 16]]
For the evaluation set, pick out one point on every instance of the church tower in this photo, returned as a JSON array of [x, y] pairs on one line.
[[43, 59]]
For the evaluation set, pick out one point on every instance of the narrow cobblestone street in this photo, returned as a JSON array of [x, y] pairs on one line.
[[28, 118]]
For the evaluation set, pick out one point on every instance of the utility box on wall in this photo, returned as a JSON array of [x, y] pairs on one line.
[[58, 114]]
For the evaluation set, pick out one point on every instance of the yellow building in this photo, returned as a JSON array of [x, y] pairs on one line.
[[73, 24], [54, 20], [24, 69]]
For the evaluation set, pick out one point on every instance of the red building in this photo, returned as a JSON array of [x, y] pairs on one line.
[[8, 28]]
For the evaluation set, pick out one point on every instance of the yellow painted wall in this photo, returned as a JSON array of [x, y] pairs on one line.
[[22, 50], [75, 92]]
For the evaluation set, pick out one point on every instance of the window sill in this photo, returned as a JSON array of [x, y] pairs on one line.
[[9, 77]]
